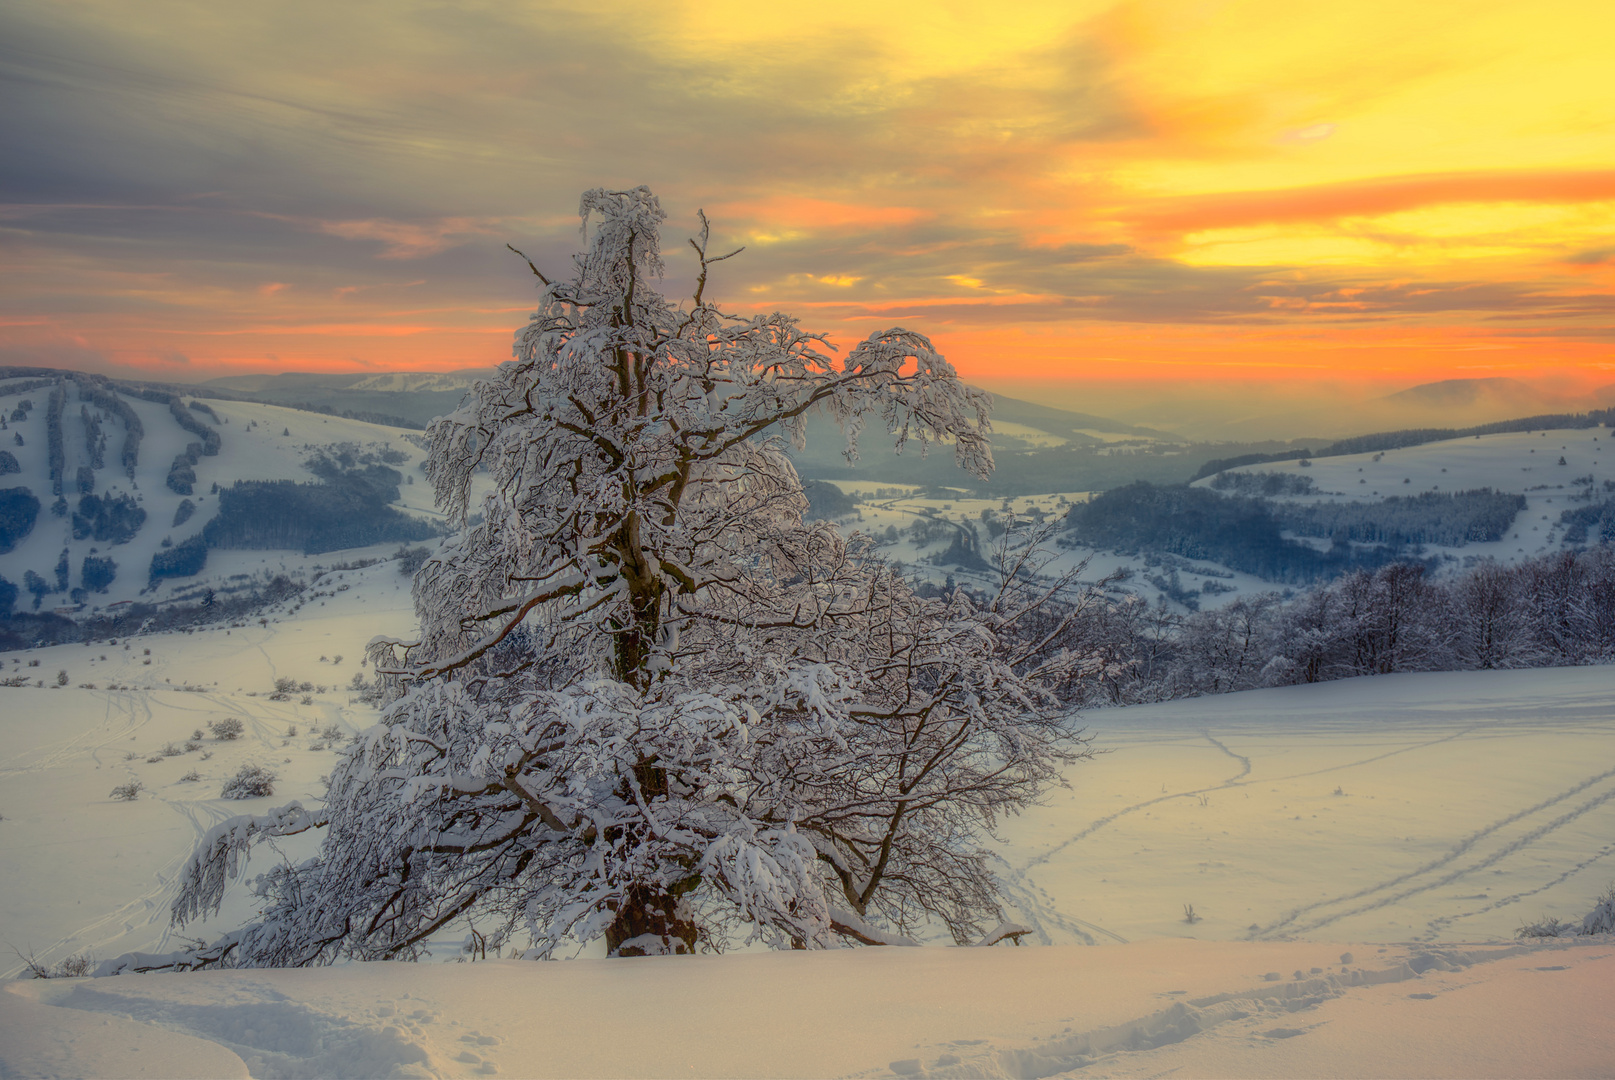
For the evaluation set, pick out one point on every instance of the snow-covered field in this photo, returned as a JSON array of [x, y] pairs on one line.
[[1412, 821]]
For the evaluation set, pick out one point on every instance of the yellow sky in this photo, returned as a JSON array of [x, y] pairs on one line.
[[1397, 186]]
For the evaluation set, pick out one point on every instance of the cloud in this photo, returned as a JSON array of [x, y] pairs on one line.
[[1361, 198], [412, 240]]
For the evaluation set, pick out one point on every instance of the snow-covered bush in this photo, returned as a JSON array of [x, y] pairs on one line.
[[128, 792], [249, 782], [650, 702], [228, 729], [1601, 919]]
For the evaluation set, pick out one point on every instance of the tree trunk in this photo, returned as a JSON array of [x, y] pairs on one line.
[[652, 911]]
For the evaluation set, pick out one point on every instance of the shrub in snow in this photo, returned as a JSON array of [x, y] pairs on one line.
[[650, 702], [249, 782], [1601, 919], [77, 966], [1551, 926], [227, 729], [128, 792]]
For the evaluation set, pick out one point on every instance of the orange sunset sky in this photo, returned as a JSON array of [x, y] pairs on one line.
[[1267, 193]]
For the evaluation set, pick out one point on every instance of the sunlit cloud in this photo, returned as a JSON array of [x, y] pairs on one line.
[[1373, 190]]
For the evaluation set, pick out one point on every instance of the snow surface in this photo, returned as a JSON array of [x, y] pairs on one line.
[[1469, 803], [1427, 815]]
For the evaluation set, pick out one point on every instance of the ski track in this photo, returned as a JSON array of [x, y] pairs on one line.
[[97, 739], [1435, 926], [1497, 856], [1457, 851], [1042, 914], [1237, 780]]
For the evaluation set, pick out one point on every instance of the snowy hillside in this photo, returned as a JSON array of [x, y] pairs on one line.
[[151, 515], [1419, 814], [1554, 470], [1307, 880]]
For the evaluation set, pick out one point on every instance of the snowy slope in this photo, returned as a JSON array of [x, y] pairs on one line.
[[1525, 463], [253, 447], [1468, 803]]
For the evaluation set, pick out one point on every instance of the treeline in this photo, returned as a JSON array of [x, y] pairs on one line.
[[1556, 610], [1432, 517], [25, 630], [1397, 440], [185, 418], [385, 419]]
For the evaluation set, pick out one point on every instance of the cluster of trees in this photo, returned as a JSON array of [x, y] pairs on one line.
[[1196, 523], [826, 501], [1266, 484], [1247, 532], [1432, 517], [185, 559], [1553, 610], [98, 573], [181, 479], [107, 399], [55, 439], [350, 509], [95, 442], [1396, 440], [110, 519], [1590, 524], [19, 509]]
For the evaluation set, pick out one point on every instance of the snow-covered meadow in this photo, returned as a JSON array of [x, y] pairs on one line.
[[1412, 821]]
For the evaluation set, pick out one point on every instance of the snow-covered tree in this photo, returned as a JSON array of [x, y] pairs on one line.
[[650, 702]]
